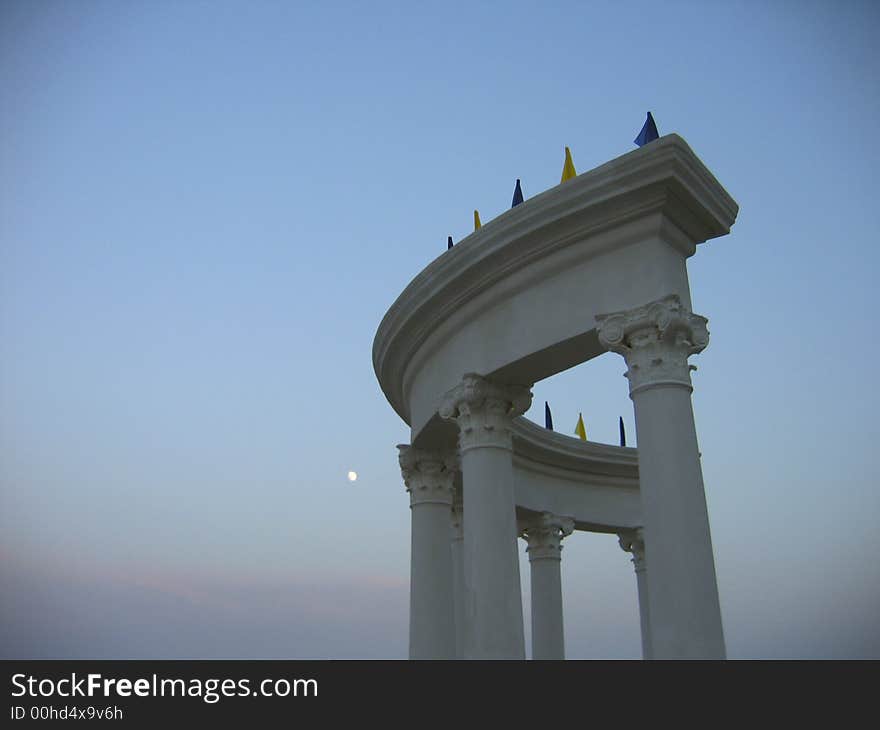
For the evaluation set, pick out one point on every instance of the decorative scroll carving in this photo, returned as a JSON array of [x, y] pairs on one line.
[[633, 541], [483, 410], [656, 341], [544, 535], [428, 475]]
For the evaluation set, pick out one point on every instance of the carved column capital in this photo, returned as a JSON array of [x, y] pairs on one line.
[[633, 541], [428, 475], [483, 410], [544, 534], [656, 341]]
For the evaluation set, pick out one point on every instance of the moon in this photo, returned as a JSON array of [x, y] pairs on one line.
[[352, 476]]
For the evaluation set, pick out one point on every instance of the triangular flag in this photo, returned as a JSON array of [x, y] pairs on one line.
[[579, 429], [568, 171], [477, 224], [517, 195], [648, 133], [448, 242], [548, 417], [622, 432]]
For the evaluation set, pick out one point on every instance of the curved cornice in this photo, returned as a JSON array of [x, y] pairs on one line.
[[664, 177], [545, 449]]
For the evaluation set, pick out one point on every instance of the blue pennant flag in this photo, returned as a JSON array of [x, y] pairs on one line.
[[517, 195], [648, 133], [448, 242], [548, 417], [622, 432]]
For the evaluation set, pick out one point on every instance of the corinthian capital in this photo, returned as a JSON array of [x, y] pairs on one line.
[[428, 475], [544, 534], [656, 341], [633, 541], [483, 410]]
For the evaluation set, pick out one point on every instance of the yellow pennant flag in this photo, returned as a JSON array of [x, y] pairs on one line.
[[477, 224], [568, 171], [579, 429]]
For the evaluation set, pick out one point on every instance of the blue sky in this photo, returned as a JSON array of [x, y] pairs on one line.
[[206, 209]]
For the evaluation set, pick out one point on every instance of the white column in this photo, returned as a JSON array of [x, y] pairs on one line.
[[493, 602], [544, 534], [632, 541], [458, 570], [656, 341], [428, 478]]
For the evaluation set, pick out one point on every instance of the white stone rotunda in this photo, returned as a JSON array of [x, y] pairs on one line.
[[595, 264]]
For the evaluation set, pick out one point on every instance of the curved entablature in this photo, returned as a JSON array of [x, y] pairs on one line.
[[595, 484], [539, 445], [516, 301], [598, 263]]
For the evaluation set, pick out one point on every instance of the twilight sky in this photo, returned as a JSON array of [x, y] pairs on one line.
[[207, 207]]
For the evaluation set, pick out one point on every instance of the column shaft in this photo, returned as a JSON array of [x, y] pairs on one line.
[[644, 612], [458, 573], [431, 617], [493, 604], [493, 601], [544, 534], [683, 594], [633, 541], [548, 640], [431, 612], [656, 341]]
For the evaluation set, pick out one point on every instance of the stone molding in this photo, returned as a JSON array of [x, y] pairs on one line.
[[484, 410], [428, 475], [656, 341], [544, 534], [549, 451]]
